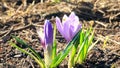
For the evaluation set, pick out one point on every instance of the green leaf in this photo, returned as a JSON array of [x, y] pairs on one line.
[[83, 46], [31, 49], [20, 41], [81, 57], [86, 46], [62, 55], [82, 34], [24, 51], [90, 40], [93, 45], [55, 59], [71, 61], [25, 44], [65, 52]]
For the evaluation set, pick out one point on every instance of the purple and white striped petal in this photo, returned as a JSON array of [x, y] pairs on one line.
[[48, 31], [46, 34]]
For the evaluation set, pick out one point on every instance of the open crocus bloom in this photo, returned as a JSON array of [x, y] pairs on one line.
[[69, 26], [46, 34]]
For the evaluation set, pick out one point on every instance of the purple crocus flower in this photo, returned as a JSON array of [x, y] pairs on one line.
[[69, 26], [46, 37], [46, 34]]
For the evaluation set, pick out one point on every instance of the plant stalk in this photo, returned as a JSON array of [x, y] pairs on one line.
[[48, 56], [71, 57], [71, 61]]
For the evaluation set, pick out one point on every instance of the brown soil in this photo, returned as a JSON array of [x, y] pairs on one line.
[[23, 19]]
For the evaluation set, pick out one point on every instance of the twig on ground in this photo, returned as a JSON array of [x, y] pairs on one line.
[[22, 28], [103, 38], [113, 17], [8, 32], [28, 59], [114, 52], [105, 25], [103, 29]]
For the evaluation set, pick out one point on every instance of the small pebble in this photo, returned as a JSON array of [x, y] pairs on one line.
[[18, 56]]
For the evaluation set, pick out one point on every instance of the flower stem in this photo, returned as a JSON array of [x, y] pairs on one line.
[[48, 56], [71, 57], [71, 61], [54, 43]]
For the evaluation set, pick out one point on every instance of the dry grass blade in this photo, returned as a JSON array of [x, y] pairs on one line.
[[102, 38]]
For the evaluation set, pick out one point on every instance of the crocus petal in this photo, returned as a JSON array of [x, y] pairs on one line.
[[66, 31], [75, 23], [71, 30], [59, 25], [72, 15], [41, 36], [64, 19], [74, 20], [75, 30], [48, 31]]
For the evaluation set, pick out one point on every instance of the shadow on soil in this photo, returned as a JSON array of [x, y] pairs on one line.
[[86, 11]]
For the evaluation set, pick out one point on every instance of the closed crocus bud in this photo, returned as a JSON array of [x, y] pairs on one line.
[[46, 34], [46, 37], [69, 26]]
